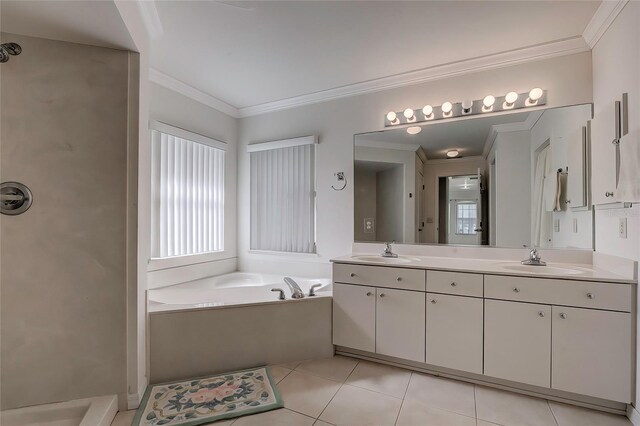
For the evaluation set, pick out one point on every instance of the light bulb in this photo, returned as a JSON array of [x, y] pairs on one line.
[[466, 106], [488, 101], [427, 110], [391, 116], [408, 113], [511, 97], [452, 153], [447, 107], [535, 94], [414, 130]]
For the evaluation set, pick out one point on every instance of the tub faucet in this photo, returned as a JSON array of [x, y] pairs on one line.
[[387, 250], [296, 291], [534, 259]]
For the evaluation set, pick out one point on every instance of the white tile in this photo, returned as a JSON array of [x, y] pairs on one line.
[[355, 406], [381, 378], [306, 393], [290, 365], [335, 368], [446, 394], [282, 417], [484, 423], [278, 373], [507, 408], [415, 413], [570, 415], [321, 423], [124, 418]]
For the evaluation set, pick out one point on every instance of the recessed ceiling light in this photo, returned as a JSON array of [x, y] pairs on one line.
[[453, 153], [414, 130]]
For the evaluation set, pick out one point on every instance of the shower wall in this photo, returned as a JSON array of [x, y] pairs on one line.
[[63, 117]]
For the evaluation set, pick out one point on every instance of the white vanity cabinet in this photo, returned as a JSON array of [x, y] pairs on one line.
[[517, 342], [591, 352], [454, 332], [354, 316]]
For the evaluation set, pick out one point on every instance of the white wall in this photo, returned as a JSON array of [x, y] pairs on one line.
[[513, 189], [177, 110], [567, 79], [616, 67]]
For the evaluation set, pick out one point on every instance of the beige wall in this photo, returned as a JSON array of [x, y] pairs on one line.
[[567, 79], [63, 275]]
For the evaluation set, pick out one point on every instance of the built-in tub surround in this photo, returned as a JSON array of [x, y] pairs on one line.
[[564, 331], [235, 321]]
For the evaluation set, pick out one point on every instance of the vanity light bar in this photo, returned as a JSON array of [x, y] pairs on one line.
[[489, 103]]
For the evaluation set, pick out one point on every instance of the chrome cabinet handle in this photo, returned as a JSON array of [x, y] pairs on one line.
[[453, 284], [541, 314], [563, 315], [591, 296], [399, 279], [369, 293], [352, 274], [608, 194], [516, 290], [434, 301], [382, 294]]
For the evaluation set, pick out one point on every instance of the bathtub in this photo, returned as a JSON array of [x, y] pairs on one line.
[[237, 288], [98, 411], [235, 321]]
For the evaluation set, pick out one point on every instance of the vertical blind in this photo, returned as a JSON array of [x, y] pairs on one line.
[[188, 197], [283, 199]]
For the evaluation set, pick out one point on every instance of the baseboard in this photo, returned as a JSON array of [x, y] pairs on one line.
[[633, 415], [134, 399]]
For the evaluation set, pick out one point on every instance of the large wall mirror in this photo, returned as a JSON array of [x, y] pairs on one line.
[[519, 179]]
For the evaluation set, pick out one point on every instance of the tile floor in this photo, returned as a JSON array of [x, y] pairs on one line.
[[345, 391]]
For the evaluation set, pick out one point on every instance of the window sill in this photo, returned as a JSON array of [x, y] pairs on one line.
[[193, 259], [284, 253]]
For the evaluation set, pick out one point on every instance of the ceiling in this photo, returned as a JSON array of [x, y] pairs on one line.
[[467, 136], [250, 53], [96, 23]]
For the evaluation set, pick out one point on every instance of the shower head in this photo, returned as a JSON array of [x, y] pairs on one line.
[[9, 49]]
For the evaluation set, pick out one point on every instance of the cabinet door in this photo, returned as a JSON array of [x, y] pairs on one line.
[[592, 353], [604, 155], [354, 316], [400, 324], [454, 332], [517, 342]]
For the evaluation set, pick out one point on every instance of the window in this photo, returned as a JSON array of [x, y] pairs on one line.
[[466, 218], [187, 187], [283, 195]]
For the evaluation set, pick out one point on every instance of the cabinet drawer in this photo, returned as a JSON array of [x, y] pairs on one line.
[[615, 297], [400, 278], [454, 283]]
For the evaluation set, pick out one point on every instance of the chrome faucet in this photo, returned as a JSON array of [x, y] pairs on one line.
[[387, 250], [534, 259], [296, 291]]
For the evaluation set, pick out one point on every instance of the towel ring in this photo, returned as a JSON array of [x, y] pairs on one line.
[[341, 178]]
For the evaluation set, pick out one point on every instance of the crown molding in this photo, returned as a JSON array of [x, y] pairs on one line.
[[483, 63], [601, 20], [171, 83], [455, 160], [527, 124], [150, 18]]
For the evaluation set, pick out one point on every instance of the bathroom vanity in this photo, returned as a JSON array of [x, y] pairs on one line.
[[566, 331]]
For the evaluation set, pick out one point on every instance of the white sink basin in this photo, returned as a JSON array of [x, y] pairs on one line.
[[555, 270], [387, 260]]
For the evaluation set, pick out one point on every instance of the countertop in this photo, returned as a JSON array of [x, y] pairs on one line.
[[492, 267]]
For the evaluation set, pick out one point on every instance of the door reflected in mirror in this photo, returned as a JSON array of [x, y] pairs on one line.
[[508, 180]]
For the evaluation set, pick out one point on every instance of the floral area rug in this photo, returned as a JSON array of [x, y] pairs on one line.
[[207, 399]]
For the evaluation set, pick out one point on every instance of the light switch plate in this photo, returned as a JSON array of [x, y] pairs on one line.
[[556, 225], [369, 225], [622, 227]]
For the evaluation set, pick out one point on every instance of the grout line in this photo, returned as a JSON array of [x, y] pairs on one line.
[[552, 413], [475, 402], [403, 397], [328, 403]]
